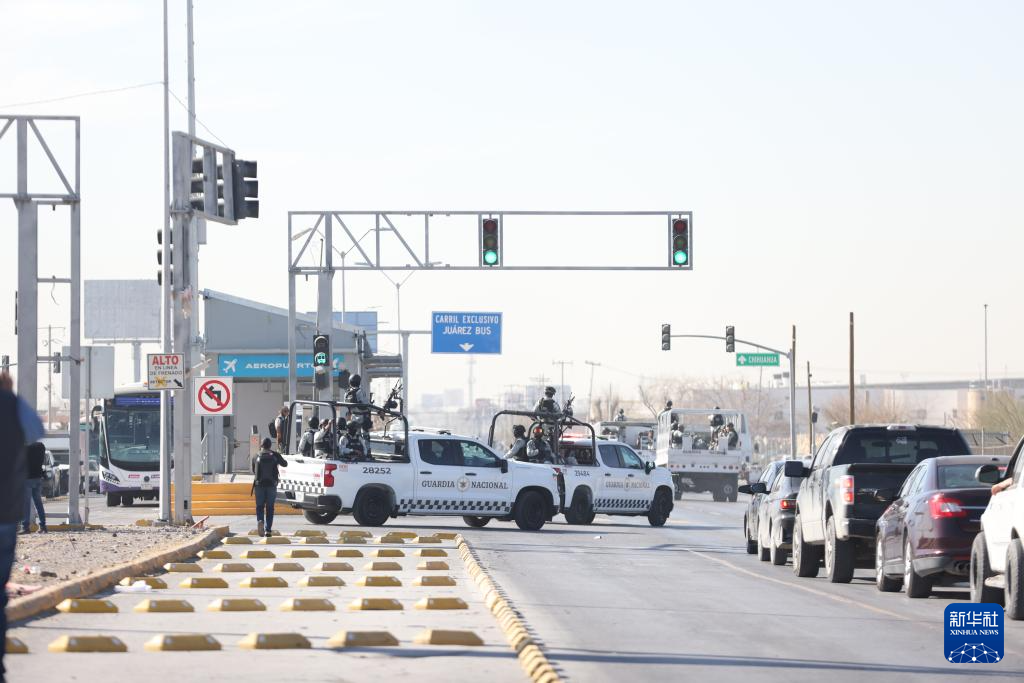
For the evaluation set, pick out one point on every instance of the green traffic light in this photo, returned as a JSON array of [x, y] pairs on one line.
[[679, 258], [490, 257]]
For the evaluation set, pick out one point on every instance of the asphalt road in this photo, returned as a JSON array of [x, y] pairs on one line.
[[620, 600]]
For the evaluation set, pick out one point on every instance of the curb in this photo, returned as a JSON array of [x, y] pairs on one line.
[[531, 657], [47, 598]]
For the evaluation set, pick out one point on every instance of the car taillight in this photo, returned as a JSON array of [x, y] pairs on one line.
[[845, 483], [787, 504], [940, 505], [329, 474]]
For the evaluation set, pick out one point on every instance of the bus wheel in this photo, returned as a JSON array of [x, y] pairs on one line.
[[113, 500], [127, 500]]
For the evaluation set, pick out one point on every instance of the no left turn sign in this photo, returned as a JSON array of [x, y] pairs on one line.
[[214, 396]]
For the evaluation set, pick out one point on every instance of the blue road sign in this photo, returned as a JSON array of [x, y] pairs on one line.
[[264, 365], [457, 332]]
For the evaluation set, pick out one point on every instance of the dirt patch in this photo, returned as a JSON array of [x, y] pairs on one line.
[[45, 559]]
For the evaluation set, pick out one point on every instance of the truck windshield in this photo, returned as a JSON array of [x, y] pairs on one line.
[[899, 447]]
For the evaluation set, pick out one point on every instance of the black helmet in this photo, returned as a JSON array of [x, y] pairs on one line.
[[355, 380], [518, 430], [549, 390], [313, 423], [352, 426]]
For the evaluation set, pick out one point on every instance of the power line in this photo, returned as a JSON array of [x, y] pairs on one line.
[[205, 127], [84, 94]]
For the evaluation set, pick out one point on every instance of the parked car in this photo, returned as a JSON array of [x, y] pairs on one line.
[[925, 536], [997, 557], [51, 476], [854, 476], [750, 517], [775, 518]]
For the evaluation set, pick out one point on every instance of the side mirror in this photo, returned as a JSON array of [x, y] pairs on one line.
[[987, 474], [504, 466], [648, 467], [759, 487], [794, 468], [745, 488]]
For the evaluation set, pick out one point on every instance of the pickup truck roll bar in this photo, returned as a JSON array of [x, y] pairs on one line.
[[339, 406], [561, 421]]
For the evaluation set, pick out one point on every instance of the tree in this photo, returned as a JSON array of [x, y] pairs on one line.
[[1001, 411]]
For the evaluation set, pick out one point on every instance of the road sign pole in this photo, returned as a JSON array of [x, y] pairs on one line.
[[792, 394]]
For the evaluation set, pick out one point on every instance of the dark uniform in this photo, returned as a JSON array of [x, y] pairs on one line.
[[547, 404], [538, 450]]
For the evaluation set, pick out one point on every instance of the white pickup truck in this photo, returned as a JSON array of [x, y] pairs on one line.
[[997, 556], [615, 481], [417, 472]]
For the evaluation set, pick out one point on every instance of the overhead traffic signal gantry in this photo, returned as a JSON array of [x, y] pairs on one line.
[[679, 238], [666, 337], [490, 241]]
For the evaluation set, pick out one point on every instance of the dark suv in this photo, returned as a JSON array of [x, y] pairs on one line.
[[853, 478]]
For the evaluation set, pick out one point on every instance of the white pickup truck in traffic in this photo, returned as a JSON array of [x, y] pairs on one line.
[[416, 472]]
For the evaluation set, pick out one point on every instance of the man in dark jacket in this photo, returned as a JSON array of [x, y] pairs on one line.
[[19, 424], [36, 454], [264, 485]]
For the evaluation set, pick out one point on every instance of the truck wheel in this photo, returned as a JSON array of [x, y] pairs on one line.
[[677, 494], [718, 496], [915, 585], [371, 508], [113, 500], [777, 554], [806, 557], [314, 517], [729, 492], [981, 570], [476, 522], [661, 508], [530, 511], [127, 500], [883, 581], [1015, 580], [580, 512], [838, 555]]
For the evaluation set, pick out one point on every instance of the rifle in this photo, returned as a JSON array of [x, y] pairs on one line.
[[567, 408], [394, 398]]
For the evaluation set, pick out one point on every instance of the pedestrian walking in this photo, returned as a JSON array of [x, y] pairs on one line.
[[19, 424], [35, 456], [264, 485]]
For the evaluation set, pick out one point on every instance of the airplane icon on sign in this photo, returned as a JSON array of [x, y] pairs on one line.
[[230, 366]]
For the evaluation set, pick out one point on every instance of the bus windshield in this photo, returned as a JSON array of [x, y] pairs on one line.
[[133, 431]]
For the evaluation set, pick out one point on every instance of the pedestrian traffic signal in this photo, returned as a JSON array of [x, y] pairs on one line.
[[490, 241], [160, 257], [246, 189], [666, 337], [680, 240], [321, 360], [730, 339]]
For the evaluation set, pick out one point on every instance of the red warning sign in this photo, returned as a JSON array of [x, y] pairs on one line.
[[214, 396]]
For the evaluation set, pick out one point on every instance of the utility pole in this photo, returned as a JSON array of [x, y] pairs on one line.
[[810, 410], [561, 387], [853, 398], [986, 351], [590, 391], [165, 300], [792, 394]]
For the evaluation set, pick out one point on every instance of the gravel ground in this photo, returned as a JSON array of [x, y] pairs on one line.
[[63, 555]]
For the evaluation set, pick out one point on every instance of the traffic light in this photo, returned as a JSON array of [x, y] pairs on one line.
[[680, 240], [197, 187], [245, 191], [666, 337], [730, 339], [490, 241], [56, 362], [160, 256], [321, 360]]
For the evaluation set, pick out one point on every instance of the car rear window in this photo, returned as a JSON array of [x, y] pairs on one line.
[[898, 447], [960, 476]]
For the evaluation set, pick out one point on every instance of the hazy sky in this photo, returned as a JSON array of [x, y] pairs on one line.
[[858, 156]]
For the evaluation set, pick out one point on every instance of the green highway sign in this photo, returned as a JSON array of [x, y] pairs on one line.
[[756, 359]]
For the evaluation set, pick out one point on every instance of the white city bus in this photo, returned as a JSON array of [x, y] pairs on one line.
[[126, 433]]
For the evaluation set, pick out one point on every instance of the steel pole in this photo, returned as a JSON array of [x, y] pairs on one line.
[[28, 274], [324, 304], [405, 371], [792, 394], [49, 377], [75, 370], [853, 396], [986, 348], [810, 411], [191, 74], [182, 169], [165, 302]]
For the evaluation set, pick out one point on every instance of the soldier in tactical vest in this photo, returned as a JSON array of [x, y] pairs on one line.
[[548, 404], [518, 449], [351, 446], [538, 450]]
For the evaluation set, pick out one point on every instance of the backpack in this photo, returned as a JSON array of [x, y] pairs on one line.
[[307, 443], [266, 468], [272, 428]]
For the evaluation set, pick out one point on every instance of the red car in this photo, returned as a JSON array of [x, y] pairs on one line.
[[924, 537]]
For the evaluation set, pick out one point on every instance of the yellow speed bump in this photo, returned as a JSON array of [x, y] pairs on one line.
[[236, 605], [306, 533], [333, 567], [390, 538], [433, 566], [274, 641], [382, 567], [87, 644], [345, 552], [434, 581], [14, 646], [87, 606], [442, 603], [215, 554], [275, 540], [255, 532], [431, 552], [351, 540], [283, 567], [446, 535], [357, 533], [151, 581], [440, 637], [402, 534], [428, 539], [257, 554], [263, 582], [181, 642], [204, 582], [164, 606], [307, 605], [362, 639], [387, 552], [233, 567], [379, 581], [315, 540], [320, 581], [375, 604], [237, 540], [183, 567], [301, 553]]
